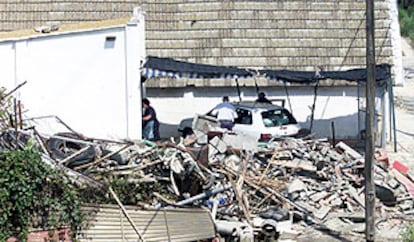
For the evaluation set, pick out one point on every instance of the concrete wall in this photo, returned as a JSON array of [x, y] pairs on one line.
[[90, 79], [338, 105]]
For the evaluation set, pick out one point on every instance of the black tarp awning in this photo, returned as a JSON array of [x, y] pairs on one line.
[[382, 74], [168, 67]]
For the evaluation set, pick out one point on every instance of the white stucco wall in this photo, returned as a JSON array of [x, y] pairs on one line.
[[89, 81], [7, 64], [333, 104], [396, 43]]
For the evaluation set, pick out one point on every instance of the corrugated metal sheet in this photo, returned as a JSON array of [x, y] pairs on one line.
[[108, 223]]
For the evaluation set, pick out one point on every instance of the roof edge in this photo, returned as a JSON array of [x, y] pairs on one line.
[[63, 29]]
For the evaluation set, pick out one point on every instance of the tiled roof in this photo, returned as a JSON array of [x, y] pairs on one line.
[[287, 34], [282, 34]]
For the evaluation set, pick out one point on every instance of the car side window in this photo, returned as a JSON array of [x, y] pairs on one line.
[[243, 116]]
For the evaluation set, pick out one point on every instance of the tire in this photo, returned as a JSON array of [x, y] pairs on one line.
[[187, 132], [61, 149], [87, 156], [116, 157]]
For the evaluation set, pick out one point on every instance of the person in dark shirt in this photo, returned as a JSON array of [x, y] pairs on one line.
[[150, 124], [261, 98]]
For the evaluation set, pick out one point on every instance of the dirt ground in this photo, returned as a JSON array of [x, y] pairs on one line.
[[404, 112]]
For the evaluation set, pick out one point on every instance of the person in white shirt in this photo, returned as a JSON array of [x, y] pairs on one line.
[[226, 114]]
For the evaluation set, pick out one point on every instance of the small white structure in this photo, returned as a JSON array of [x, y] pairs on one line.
[[86, 74]]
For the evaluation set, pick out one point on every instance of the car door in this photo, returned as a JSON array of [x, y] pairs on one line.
[[244, 122]]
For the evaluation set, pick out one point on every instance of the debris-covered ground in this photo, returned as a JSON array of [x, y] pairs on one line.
[[279, 190], [286, 188]]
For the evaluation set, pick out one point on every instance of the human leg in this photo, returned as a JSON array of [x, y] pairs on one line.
[[226, 124], [148, 131]]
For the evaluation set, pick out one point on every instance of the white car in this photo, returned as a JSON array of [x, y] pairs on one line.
[[261, 121]]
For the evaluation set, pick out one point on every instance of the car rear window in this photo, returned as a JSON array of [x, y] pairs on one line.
[[277, 117], [243, 116]]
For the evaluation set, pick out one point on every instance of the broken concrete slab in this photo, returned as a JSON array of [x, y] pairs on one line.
[[318, 196], [296, 164], [336, 225], [218, 144], [296, 186], [348, 150], [240, 141], [322, 212]]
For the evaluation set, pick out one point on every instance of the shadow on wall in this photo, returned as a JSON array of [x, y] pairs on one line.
[[168, 130], [345, 127]]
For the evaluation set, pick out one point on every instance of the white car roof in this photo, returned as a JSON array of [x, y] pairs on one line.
[[256, 105]]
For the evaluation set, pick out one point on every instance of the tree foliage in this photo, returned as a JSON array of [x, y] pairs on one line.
[[406, 19], [33, 195], [405, 3], [407, 233], [5, 103]]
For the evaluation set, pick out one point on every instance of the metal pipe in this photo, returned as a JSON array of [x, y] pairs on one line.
[[392, 107], [233, 228], [238, 89], [204, 194]]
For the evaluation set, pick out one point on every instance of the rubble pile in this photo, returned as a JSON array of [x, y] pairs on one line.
[[251, 193]]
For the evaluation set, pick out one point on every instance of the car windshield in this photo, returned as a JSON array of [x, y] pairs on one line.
[[277, 117]]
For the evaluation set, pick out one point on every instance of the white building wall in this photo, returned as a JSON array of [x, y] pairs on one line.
[[78, 79], [333, 104], [135, 54], [89, 79], [7, 64]]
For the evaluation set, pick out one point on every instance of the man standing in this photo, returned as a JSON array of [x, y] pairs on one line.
[[226, 113], [261, 98], [150, 124]]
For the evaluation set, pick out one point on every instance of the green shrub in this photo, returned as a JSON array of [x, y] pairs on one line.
[[406, 19], [407, 233], [5, 103], [33, 195]]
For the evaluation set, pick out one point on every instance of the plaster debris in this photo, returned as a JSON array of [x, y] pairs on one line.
[[277, 187]]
